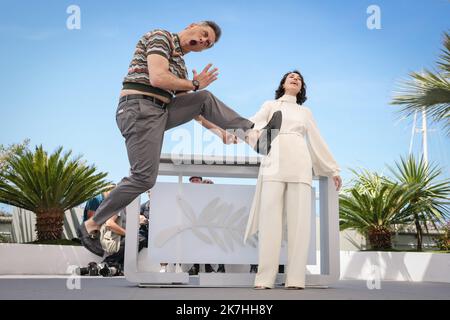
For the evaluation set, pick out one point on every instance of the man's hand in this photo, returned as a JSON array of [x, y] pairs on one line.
[[206, 77], [337, 182]]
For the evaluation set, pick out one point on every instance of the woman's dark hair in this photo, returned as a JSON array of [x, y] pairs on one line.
[[301, 96]]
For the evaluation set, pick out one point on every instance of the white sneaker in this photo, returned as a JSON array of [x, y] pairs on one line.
[[163, 269]]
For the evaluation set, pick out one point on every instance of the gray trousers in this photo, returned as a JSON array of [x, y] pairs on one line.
[[142, 124]]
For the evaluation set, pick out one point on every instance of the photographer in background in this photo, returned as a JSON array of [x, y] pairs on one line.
[[113, 264], [92, 204], [117, 224]]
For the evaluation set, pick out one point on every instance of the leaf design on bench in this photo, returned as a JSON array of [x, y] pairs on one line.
[[186, 209], [165, 235], [224, 227]]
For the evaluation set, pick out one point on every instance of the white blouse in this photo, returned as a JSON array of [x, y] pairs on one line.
[[298, 151]]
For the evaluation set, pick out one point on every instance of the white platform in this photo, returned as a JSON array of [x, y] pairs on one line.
[[328, 270], [51, 261]]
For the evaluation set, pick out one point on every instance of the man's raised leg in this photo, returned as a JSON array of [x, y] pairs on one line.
[[186, 107], [142, 124]]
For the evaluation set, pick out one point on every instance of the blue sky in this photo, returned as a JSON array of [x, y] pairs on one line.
[[60, 86]]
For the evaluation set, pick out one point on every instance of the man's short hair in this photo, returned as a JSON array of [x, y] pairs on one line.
[[195, 177], [213, 26]]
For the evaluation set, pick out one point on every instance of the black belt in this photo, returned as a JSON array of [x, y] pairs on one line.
[[156, 101]]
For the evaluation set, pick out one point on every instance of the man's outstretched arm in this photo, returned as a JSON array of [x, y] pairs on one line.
[[161, 77], [226, 137]]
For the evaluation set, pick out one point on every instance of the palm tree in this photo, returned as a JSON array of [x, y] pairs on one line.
[[48, 186], [431, 199], [429, 90], [372, 205]]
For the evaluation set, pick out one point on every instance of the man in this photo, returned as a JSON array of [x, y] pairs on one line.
[[156, 96], [145, 212], [93, 204], [195, 179], [145, 207], [117, 223]]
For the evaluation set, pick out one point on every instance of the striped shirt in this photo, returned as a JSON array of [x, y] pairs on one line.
[[160, 42]]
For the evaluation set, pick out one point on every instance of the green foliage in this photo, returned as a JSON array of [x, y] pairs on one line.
[[428, 90], [49, 185], [443, 241], [11, 150], [4, 239], [373, 204], [431, 199]]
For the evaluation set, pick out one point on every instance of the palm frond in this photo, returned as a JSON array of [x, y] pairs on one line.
[[444, 62], [374, 201], [428, 91], [430, 201], [38, 181]]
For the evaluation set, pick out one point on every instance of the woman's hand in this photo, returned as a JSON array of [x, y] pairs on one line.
[[229, 138], [337, 182]]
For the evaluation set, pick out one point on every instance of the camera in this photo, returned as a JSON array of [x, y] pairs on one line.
[[106, 270], [91, 270], [101, 269]]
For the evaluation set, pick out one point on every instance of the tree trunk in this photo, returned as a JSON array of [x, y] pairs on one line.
[[49, 224], [419, 232], [379, 238]]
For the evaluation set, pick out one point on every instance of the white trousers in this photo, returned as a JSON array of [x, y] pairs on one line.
[[295, 200]]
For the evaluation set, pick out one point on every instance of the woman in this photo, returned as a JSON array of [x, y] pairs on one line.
[[284, 184]]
